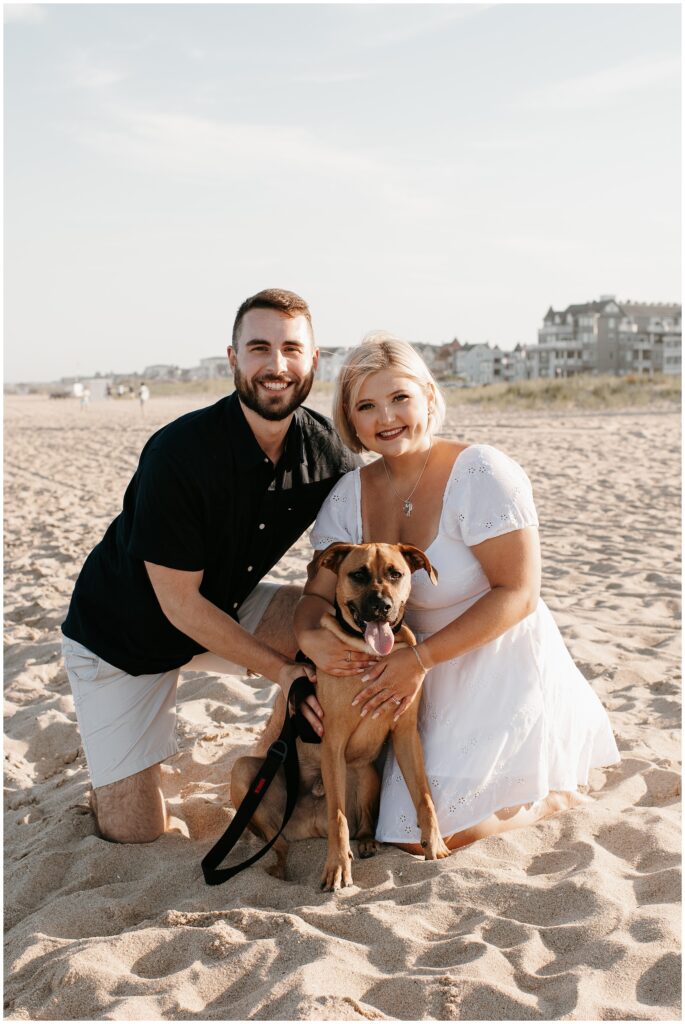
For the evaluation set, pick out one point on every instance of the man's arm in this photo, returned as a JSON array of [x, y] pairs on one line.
[[178, 593]]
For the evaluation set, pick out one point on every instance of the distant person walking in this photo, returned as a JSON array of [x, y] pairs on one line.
[[143, 396], [85, 398]]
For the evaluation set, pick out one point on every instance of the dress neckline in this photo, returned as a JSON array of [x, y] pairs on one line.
[[360, 524]]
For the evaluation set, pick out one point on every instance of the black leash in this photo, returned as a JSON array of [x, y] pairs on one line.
[[282, 751]]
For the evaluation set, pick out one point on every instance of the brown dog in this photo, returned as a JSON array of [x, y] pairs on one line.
[[373, 585]]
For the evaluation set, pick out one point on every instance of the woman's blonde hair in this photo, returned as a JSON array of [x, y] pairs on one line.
[[381, 351]]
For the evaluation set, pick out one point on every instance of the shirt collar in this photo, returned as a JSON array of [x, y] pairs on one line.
[[246, 449]]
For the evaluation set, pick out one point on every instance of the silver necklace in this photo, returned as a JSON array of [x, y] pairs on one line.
[[407, 506]]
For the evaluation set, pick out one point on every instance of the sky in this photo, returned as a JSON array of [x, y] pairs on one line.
[[438, 171]]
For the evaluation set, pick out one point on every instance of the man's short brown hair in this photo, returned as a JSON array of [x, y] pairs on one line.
[[278, 299]]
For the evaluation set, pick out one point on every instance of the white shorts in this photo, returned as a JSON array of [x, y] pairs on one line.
[[128, 723]]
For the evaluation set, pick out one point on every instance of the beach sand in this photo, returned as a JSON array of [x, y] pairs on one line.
[[575, 918]]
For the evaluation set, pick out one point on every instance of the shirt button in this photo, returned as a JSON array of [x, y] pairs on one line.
[[249, 568], [235, 604], [261, 526]]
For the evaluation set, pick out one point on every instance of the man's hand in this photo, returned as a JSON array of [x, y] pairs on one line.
[[396, 682], [332, 655], [310, 708]]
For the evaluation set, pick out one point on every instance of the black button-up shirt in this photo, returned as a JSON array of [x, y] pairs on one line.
[[204, 497]]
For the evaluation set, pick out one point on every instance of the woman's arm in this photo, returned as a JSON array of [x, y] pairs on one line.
[[324, 649], [512, 565]]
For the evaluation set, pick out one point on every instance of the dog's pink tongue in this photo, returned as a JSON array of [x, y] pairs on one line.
[[378, 636]]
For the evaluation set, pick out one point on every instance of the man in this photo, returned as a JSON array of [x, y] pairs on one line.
[[219, 495]]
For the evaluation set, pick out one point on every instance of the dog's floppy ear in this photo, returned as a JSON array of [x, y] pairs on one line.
[[329, 558], [416, 559]]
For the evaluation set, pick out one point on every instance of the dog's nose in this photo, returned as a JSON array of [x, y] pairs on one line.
[[379, 604]]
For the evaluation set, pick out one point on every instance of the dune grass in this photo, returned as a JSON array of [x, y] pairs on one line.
[[580, 392]]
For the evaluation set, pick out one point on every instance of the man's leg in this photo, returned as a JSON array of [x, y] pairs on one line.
[[275, 627], [127, 726], [131, 810]]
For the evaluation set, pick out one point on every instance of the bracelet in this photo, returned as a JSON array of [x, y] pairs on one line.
[[418, 658]]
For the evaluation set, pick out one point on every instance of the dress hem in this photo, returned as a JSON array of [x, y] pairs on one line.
[[482, 817]]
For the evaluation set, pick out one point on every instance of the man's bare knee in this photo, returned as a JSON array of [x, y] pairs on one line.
[[132, 810], [276, 624]]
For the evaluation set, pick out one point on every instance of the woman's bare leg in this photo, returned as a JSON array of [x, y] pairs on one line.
[[506, 819]]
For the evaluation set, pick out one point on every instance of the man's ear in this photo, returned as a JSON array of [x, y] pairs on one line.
[[230, 352], [416, 559], [315, 358], [330, 558]]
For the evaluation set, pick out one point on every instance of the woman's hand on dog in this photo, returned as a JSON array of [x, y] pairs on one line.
[[332, 656], [310, 707], [393, 684]]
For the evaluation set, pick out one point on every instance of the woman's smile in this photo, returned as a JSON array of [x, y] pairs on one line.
[[390, 434]]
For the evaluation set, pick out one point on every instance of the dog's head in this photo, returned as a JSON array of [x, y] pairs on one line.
[[373, 585]]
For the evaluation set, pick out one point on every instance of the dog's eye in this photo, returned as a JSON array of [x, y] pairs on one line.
[[360, 575], [394, 574]]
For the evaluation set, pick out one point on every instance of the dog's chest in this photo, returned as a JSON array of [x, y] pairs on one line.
[[362, 737]]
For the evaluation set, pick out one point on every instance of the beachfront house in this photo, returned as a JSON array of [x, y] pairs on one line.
[[608, 336], [478, 364]]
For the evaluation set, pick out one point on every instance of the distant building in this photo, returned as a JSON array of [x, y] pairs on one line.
[[650, 338], [330, 362], [476, 363], [515, 364], [161, 371], [214, 367], [608, 337]]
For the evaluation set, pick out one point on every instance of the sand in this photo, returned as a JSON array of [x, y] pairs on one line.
[[575, 918]]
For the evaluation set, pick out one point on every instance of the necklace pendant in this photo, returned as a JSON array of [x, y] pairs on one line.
[[407, 507]]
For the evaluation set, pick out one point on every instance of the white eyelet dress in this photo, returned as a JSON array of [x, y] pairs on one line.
[[510, 721]]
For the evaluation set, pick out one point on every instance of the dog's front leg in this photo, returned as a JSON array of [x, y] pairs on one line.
[[337, 871], [409, 753]]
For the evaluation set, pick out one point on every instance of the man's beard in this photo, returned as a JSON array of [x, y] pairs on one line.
[[281, 405]]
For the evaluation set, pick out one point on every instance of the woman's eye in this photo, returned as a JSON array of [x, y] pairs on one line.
[[401, 398], [364, 407]]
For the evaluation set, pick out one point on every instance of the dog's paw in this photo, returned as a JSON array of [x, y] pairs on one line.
[[337, 873], [434, 847], [276, 870], [368, 847]]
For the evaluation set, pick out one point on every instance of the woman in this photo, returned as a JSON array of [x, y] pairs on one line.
[[509, 726]]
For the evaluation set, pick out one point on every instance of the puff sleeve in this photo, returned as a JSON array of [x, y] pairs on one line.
[[338, 518], [490, 495]]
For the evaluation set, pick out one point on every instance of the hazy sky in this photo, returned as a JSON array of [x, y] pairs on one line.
[[436, 170]]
